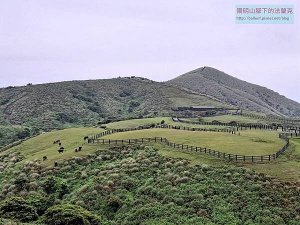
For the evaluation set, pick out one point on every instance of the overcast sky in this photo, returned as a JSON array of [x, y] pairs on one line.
[[54, 40]]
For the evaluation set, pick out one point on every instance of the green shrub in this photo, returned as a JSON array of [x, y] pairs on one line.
[[49, 185], [69, 215], [18, 209]]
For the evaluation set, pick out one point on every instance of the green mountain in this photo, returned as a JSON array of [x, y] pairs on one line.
[[230, 90], [55, 105]]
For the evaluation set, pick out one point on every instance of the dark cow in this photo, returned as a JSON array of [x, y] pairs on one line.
[[76, 150], [79, 148], [61, 150], [86, 137], [45, 158], [57, 141], [55, 164]]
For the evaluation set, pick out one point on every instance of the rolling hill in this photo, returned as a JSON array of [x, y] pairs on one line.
[[230, 90], [88, 102], [56, 105]]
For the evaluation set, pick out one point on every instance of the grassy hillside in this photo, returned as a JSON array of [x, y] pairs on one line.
[[236, 92], [148, 184], [42, 145], [58, 105], [248, 143], [236, 118], [28, 110], [136, 185]]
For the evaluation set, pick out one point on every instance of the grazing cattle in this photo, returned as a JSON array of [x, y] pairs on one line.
[[55, 164], [76, 150], [44, 158], [86, 137], [57, 141], [61, 150], [79, 148]]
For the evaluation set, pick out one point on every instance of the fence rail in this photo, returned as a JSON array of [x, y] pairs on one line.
[[112, 131], [222, 155], [254, 126]]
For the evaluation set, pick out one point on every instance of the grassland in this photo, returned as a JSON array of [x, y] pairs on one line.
[[146, 121], [237, 118], [287, 167], [247, 143], [42, 145], [138, 122]]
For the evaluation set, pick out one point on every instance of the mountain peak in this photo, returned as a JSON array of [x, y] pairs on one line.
[[213, 82]]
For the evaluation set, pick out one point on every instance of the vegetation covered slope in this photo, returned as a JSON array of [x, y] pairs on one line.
[[136, 185], [87, 102], [236, 92]]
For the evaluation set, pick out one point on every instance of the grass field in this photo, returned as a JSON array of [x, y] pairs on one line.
[[248, 143], [237, 118], [42, 145], [257, 142], [286, 167], [138, 122], [146, 121]]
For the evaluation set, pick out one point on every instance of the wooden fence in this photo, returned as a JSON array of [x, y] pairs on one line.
[[222, 155], [250, 126], [112, 131], [272, 118]]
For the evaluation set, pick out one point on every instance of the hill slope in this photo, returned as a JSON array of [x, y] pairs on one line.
[[236, 92], [87, 102]]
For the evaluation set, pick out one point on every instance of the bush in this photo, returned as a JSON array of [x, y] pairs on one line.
[[69, 215], [18, 209], [24, 133], [133, 104], [49, 185]]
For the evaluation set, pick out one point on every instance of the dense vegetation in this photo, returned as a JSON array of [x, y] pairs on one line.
[[59, 105], [137, 185], [210, 81], [151, 185], [10, 134]]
